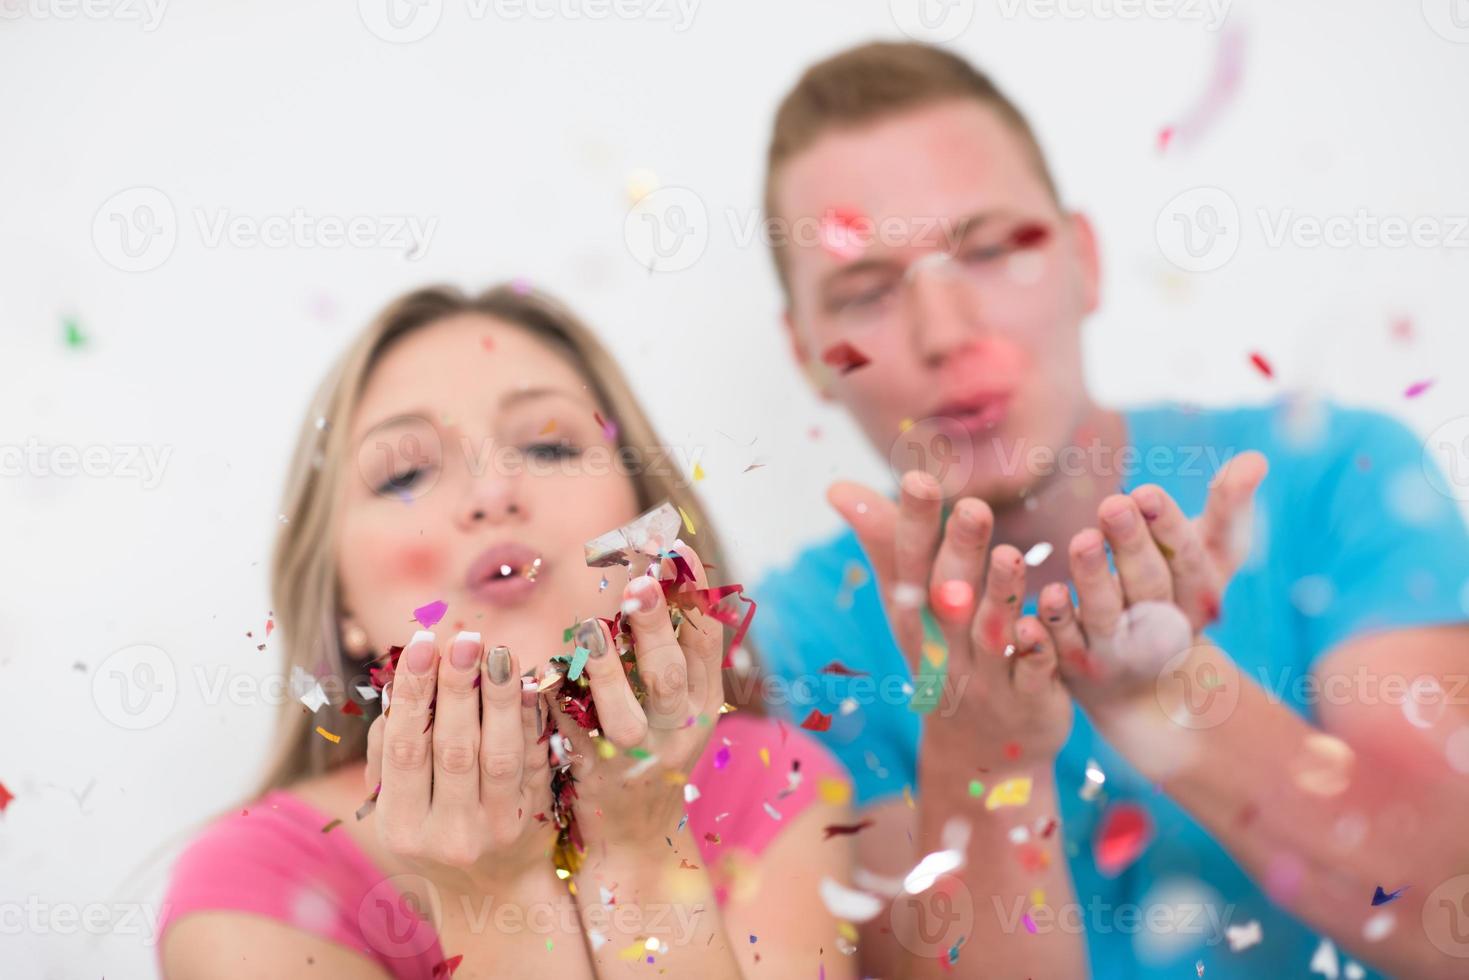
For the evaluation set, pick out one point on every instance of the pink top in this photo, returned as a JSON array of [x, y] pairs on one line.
[[273, 860]]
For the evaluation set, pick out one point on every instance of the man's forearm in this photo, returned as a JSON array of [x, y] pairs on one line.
[[1318, 821], [999, 911]]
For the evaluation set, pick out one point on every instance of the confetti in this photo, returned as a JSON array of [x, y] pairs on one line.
[[1381, 897], [771, 811], [1325, 962], [839, 669], [844, 829], [845, 358], [688, 522], [549, 428], [721, 758], [1417, 388], [976, 788], [1262, 365], [1038, 554], [838, 233], [1126, 831], [327, 735], [1220, 91], [447, 967], [931, 868], [834, 790], [1011, 792], [329, 827], [578, 663], [5, 797], [73, 333], [1029, 923], [428, 615], [698, 472], [1095, 779], [608, 427], [849, 904], [1243, 937], [817, 722], [690, 792]]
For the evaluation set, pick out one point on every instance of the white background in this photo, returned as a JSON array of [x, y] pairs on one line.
[[520, 135]]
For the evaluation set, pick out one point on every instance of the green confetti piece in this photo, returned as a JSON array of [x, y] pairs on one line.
[[549, 945], [928, 685], [976, 788], [567, 633], [638, 753], [578, 661], [74, 336]]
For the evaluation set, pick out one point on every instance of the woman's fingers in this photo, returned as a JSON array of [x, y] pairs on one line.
[[373, 772], [502, 751], [1097, 592], [456, 730], [662, 666], [622, 720], [1195, 588], [702, 639], [1140, 566], [407, 766]]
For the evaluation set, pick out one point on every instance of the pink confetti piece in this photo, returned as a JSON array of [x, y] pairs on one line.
[[430, 614], [1418, 388], [721, 758], [609, 428], [1220, 91], [1029, 923], [1126, 831], [1262, 365], [837, 233]]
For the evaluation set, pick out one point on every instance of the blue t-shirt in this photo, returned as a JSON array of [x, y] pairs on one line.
[[1355, 530]]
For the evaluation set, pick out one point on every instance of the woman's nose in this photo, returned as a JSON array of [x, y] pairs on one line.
[[492, 500]]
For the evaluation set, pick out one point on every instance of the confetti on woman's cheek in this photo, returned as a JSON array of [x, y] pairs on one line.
[[609, 428], [428, 615], [1418, 388], [1125, 832], [844, 357], [1262, 365]]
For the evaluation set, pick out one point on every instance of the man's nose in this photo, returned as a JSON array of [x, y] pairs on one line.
[[945, 319]]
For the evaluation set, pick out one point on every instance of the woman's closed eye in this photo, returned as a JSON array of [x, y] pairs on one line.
[[552, 450], [399, 483]]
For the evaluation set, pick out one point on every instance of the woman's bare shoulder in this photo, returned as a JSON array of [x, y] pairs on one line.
[[229, 945]]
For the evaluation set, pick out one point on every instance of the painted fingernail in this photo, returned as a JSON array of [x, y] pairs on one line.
[[464, 651], [590, 638], [499, 665], [644, 594], [421, 651], [1147, 502]]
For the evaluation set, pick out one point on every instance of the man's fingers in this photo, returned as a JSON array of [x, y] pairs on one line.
[[1097, 592], [1225, 524], [964, 549], [1034, 660], [1140, 566], [1195, 589], [1059, 617]]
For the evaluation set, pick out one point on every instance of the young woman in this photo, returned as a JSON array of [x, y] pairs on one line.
[[465, 450]]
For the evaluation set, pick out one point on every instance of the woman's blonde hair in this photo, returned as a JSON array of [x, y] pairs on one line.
[[304, 584]]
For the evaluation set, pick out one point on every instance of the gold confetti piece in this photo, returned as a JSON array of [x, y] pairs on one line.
[[688, 522], [550, 428], [1038, 897], [847, 931], [908, 797], [765, 756], [327, 735], [327, 829], [834, 791], [698, 472], [905, 425], [935, 653], [606, 749], [1012, 792], [634, 952]]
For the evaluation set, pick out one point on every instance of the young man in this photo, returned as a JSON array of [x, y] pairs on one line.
[[1237, 786]]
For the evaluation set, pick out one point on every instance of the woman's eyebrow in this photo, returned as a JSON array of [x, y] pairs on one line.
[[521, 395], [403, 418]]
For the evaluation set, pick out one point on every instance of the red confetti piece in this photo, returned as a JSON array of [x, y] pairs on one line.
[[1012, 750], [488, 343], [844, 829], [447, 967], [609, 429], [428, 615], [1417, 388], [711, 837], [1029, 236], [1262, 365], [1165, 136], [842, 670], [817, 722], [844, 357], [350, 707], [1402, 329], [269, 625], [5, 797], [1125, 832]]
